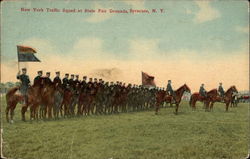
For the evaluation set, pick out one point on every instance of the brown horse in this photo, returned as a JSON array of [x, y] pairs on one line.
[[197, 97], [47, 98], [82, 102], [162, 96], [226, 99], [58, 99], [12, 99], [67, 97], [33, 99]]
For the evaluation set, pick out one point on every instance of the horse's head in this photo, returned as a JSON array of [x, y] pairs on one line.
[[234, 89], [186, 88]]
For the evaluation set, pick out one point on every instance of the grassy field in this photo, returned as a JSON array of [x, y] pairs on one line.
[[138, 135]]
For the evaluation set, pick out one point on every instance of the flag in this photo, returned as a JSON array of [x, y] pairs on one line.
[[26, 54], [147, 80]]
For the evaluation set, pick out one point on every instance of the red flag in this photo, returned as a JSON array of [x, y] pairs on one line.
[[26, 54], [25, 49], [147, 80]]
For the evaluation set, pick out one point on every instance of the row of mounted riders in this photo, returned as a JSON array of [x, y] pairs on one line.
[[45, 97]]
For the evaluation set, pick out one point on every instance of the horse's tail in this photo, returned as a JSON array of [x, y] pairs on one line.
[[11, 92], [190, 101]]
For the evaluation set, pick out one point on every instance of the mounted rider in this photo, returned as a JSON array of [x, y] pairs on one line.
[[57, 79], [77, 81], [221, 90], [25, 83], [66, 81], [170, 90], [47, 78], [203, 91], [71, 80], [39, 75], [84, 84]]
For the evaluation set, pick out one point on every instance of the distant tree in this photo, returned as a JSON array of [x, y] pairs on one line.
[[9, 84], [17, 83]]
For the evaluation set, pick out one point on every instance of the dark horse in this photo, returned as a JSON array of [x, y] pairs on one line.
[[162, 96], [226, 99], [212, 94]]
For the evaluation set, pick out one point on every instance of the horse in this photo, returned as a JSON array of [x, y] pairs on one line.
[[58, 99], [197, 97], [82, 101], [47, 98], [226, 99], [75, 99], [67, 97], [33, 99], [12, 99], [162, 96]]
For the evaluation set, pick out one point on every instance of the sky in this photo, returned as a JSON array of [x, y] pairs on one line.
[[191, 42]]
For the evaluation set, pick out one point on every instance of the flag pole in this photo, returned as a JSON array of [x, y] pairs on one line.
[[18, 65]]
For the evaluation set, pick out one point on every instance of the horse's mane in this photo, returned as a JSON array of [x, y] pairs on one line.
[[212, 90], [182, 87], [229, 89]]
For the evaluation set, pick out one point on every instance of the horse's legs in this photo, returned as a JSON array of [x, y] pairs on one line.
[[157, 108], [49, 111], [12, 113], [23, 110], [79, 105], [7, 112], [176, 108], [211, 106], [31, 112], [227, 105], [194, 105]]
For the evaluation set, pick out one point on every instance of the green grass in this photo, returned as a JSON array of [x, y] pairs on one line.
[[199, 134]]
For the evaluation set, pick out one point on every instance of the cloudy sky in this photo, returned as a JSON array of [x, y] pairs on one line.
[[192, 42]]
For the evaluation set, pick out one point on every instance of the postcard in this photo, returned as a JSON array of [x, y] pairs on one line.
[[124, 79]]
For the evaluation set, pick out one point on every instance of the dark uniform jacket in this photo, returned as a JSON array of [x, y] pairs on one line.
[[57, 80], [89, 87], [71, 83], [36, 79], [47, 80], [221, 90], [202, 91], [65, 82], [24, 79], [84, 86], [170, 89]]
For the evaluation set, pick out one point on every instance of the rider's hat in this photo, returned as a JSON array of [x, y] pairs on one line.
[[47, 73], [58, 72], [24, 69], [39, 71]]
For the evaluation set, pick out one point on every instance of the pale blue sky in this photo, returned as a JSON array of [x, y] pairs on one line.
[[199, 41], [175, 30]]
